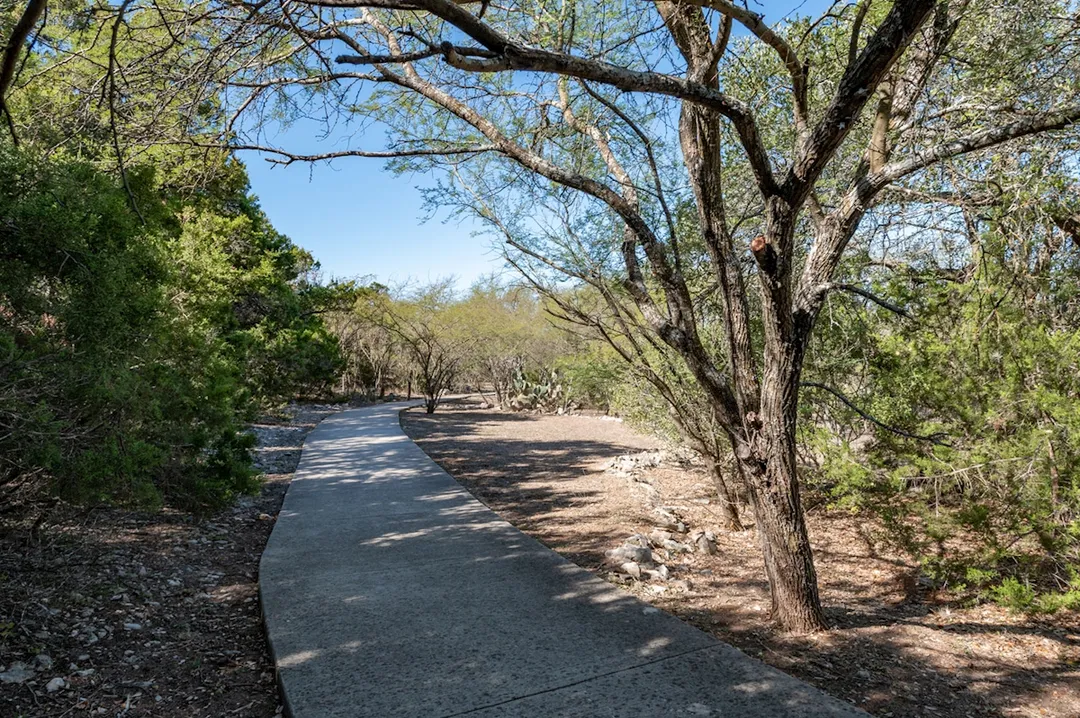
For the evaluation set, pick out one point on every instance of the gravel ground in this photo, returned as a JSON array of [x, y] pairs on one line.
[[126, 613], [898, 649]]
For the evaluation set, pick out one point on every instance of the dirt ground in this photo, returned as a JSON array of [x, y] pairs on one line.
[[122, 613], [898, 649]]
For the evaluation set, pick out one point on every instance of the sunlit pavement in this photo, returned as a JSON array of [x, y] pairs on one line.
[[388, 590]]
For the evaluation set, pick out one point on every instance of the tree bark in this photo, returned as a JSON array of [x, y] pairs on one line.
[[769, 464], [785, 545], [729, 505]]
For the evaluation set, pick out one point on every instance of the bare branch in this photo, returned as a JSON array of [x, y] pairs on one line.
[[842, 223], [856, 30], [110, 89], [855, 289], [859, 82], [509, 56], [1045, 122], [289, 157], [756, 24], [932, 438]]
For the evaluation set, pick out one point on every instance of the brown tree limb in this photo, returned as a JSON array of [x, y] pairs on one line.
[[512, 56], [23, 27], [755, 23], [858, 84], [856, 289], [110, 88], [831, 242], [932, 438], [288, 157]]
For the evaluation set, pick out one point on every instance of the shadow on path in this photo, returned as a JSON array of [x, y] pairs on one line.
[[388, 590]]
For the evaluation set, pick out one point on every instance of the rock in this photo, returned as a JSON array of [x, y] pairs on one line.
[[667, 520], [637, 554], [681, 584], [705, 542], [54, 685], [660, 573], [132, 626], [16, 673], [658, 537], [676, 546], [631, 464], [650, 610], [631, 569], [43, 662]]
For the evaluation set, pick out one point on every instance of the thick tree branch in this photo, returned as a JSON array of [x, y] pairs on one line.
[[1045, 122], [858, 84], [508, 56], [29, 18], [755, 23], [832, 240]]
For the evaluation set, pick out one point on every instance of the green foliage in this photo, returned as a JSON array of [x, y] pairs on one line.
[[251, 287], [591, 375], [131, 353], [1013, 594], [990, 371]]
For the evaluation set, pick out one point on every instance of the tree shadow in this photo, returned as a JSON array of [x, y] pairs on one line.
[[389, 590], [912, 657], [506, 474]]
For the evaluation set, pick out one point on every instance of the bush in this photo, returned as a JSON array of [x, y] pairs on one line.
[[989, 376], [130, 354]]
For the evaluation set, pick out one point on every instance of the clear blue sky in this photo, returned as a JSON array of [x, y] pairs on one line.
[[358, 219]]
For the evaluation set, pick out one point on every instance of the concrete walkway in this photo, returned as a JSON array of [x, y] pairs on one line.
[[389, 591]]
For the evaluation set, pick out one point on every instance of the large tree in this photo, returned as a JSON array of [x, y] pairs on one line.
[[582, 130]]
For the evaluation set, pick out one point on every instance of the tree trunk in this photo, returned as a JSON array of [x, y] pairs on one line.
[[785, 545], [729, 507], [429, 405]]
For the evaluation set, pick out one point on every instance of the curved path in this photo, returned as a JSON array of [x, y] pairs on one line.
[[388, 590]]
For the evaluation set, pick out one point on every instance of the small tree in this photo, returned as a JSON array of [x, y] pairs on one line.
[[429, 328], [371, 351], [512, 335]]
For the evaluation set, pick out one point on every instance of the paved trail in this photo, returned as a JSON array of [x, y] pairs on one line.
[[388, 590]]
